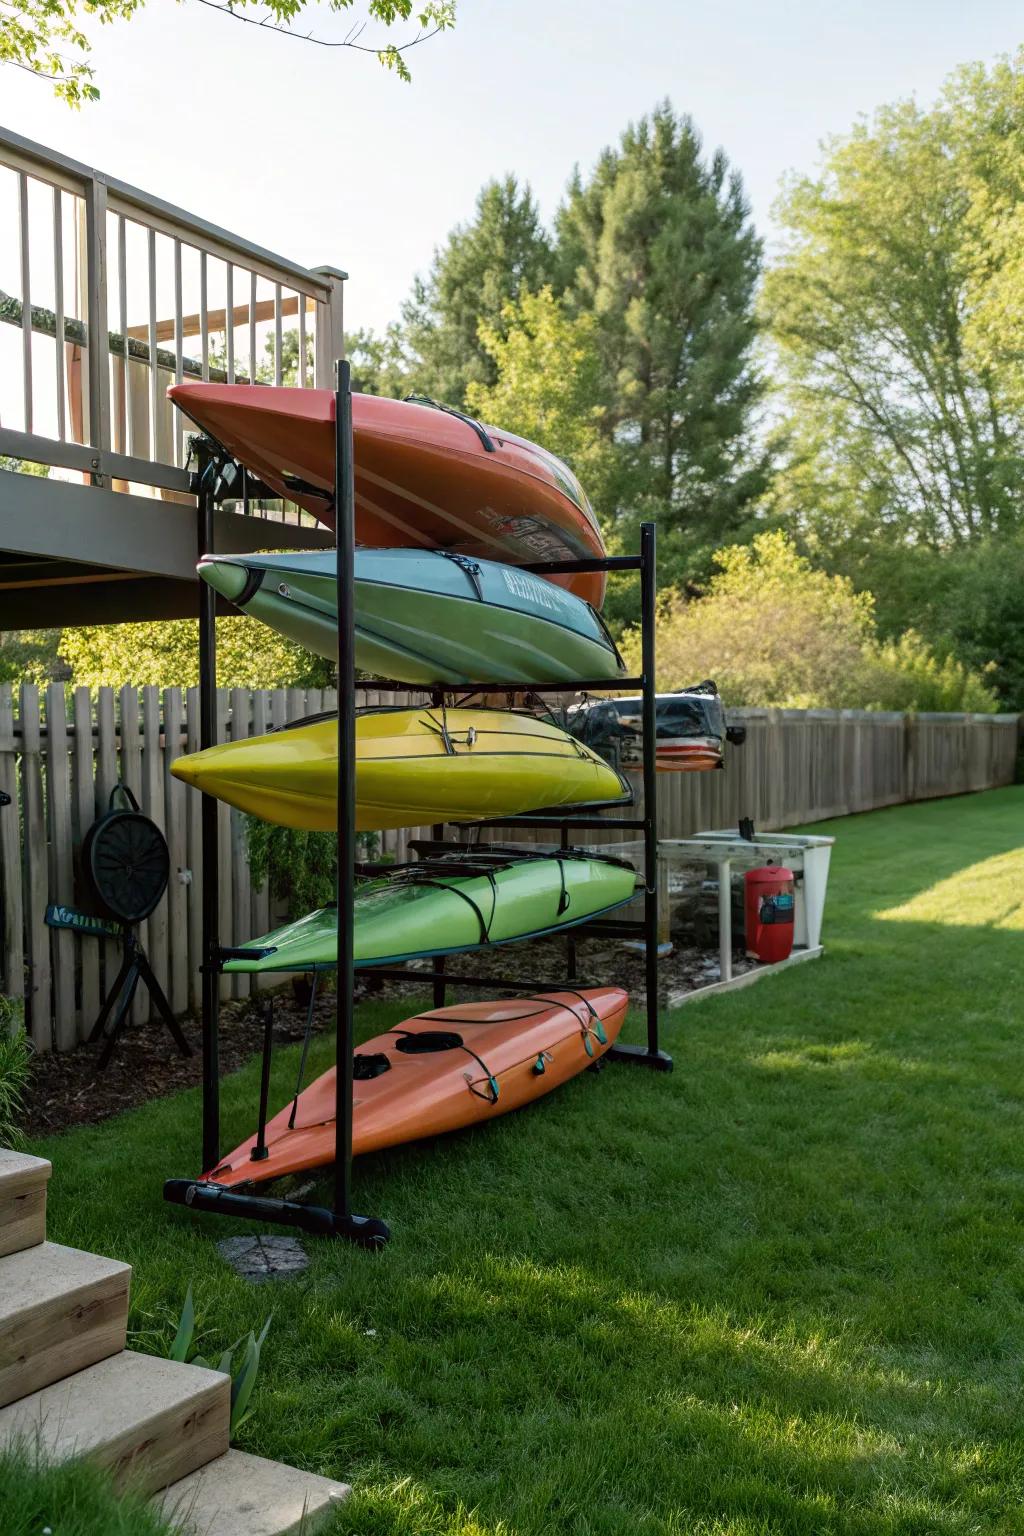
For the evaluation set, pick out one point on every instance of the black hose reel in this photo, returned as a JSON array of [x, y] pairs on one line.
[[125, 866]]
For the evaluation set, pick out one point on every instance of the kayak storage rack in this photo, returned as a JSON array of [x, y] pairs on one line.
[[216, 478]]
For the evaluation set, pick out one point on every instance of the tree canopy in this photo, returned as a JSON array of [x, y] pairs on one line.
[[483, 266], [885, 308], [658, 244]]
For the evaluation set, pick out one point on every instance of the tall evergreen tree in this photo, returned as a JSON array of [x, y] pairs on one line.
[[482, 267], [658, 243]]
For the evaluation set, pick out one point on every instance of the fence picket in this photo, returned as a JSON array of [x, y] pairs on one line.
[[37, 945], [153, 806], [131, 775], [84, 808], [177, 847], [59, 870], [106, 778], [194, 837], [224, 906], [259, 910], [11, 935], [241, 886]]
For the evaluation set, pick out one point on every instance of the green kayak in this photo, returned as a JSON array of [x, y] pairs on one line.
[[425, 617], [444, 906]]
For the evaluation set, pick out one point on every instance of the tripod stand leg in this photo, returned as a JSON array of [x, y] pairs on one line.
[[156, 992], [127, 965], [122, 1012]]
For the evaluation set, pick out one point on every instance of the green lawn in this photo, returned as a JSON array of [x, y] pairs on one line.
[[778, 1291]]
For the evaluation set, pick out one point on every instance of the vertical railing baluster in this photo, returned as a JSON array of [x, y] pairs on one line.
[[302, 341], [128, 432], [278, 336], [58, 308], [98, 348], [154, 382], [179, 353], [229, 323], [252, 327], [204, 328], [26, 301]]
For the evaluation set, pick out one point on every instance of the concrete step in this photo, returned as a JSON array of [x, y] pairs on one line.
[[243, 1495], [149, 1420], [23, 1182], [60, 1310]]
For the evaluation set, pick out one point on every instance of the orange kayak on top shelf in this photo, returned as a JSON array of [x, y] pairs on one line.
[[425, 476], [440, 1071]]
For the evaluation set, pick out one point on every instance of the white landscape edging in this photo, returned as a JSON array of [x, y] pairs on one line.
[[747, 978]]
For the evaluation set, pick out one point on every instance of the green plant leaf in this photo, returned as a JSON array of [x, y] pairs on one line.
[[186, 1330], [245, 1380]]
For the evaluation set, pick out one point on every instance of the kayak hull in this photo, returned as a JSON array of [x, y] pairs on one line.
[[413, 915], [423, 477], [519, 1050], [414, 767], [424, 619]]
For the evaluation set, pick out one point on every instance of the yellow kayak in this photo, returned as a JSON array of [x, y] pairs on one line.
[[413, 767]]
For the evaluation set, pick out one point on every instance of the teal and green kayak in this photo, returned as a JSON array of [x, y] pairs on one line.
[[425, 617], [445, 906]]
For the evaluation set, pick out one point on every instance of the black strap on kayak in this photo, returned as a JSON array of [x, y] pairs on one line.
[[593, 1025], [468, 567], [305, 1050], [485, 923], [449, 410], [427, 1041]]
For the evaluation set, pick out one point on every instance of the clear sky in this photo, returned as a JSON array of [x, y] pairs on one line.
[[323, 157]]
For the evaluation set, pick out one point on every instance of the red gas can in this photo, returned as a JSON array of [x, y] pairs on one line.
[[769, 912]]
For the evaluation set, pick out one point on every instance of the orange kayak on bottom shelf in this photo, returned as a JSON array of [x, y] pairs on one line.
[[439, 1071]]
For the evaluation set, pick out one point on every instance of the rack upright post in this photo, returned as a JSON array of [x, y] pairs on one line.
[[210, 981]]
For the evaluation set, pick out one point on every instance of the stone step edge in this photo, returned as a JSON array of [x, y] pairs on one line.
[[239, 1494]]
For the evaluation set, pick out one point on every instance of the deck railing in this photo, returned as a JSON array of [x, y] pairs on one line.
[[108, 295]]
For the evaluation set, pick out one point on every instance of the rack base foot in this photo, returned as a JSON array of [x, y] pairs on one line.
[[640, 1056], [365, 1231]]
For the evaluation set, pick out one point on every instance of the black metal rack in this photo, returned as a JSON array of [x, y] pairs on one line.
[[216, 477]]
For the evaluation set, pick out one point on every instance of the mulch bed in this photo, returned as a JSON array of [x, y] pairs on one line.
[[68, 1089]]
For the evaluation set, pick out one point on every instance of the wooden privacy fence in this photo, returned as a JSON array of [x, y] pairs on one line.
[[60, 758], [59, 761]]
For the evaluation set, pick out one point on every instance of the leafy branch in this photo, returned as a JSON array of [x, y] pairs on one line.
[[44, 38]]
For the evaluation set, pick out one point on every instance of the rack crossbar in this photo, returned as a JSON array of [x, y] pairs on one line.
[[585, 567], [468, 690]]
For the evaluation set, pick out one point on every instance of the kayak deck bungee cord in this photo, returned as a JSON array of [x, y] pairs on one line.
[[437, 1072], [449, 906], [425, 616], [414, 767]]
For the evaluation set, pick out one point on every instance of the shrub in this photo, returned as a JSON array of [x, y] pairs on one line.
[[299, 867], [249, 655], [771, 629]]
